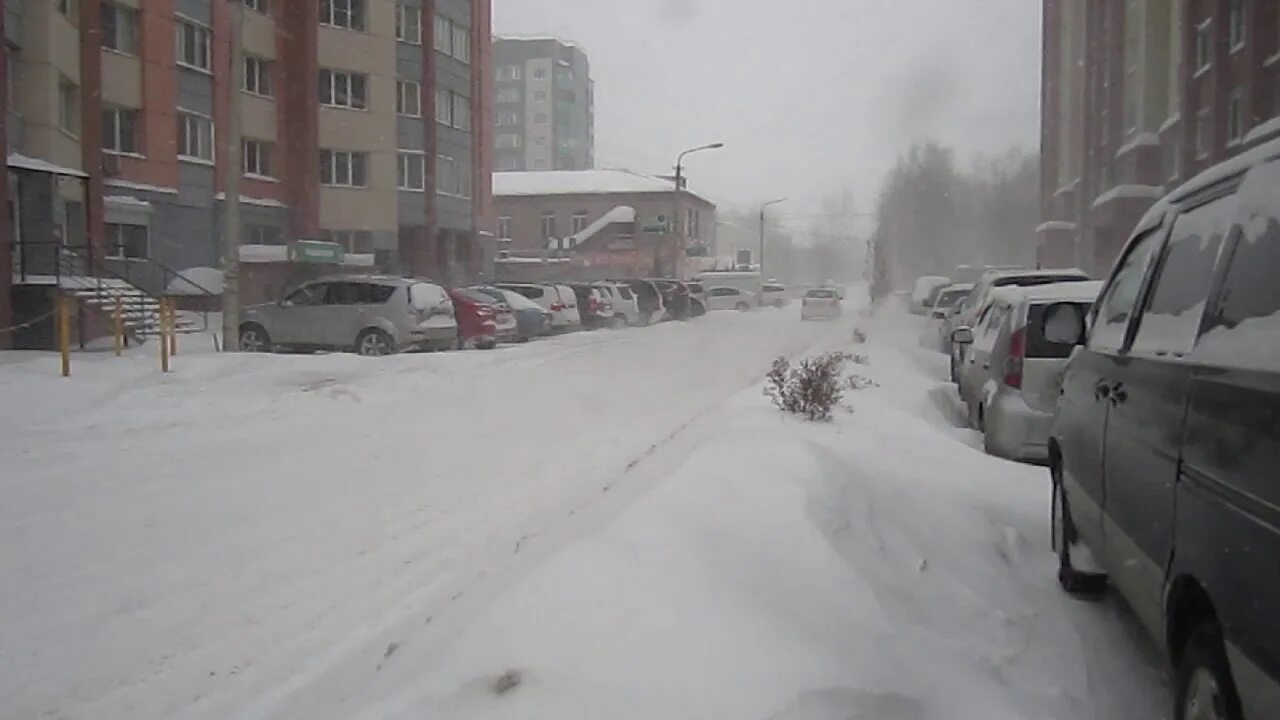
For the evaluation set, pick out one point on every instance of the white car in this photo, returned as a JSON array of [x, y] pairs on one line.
[[626, 307], [924, 292], [821, 303], [773, 295], [558, 299], [729, 298]]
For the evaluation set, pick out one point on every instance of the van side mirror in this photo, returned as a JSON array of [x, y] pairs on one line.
[[1064, 324], [962, 336]]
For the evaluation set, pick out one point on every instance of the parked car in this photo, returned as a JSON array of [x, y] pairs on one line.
[[560, 300], [531, 319], [1165, 446], [675, 298], [774, 295], [483, 320], [1011, 372], [374, 315], [924, 290], [626, 307], [821, 303], [977, 299], [730, 298], [648, 299], [697, 298], [946, 301], [594, 305]]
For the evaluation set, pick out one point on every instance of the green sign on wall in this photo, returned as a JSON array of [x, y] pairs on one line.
[[316, 251]]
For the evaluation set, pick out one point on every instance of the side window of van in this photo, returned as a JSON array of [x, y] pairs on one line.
[[1171, 319], [1245, 329], [1115, 308]]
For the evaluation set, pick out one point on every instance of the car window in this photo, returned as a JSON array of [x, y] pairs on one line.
[[533, 292], [695, 288], [1037, 345], [312, 294], [1115, 308], [625, 292], [377, 294], [423, 296], [1245, 328], [346, 293], [477, 296], [1175, 305], [821, 294]]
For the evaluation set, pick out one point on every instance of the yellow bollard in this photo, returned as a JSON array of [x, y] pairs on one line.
[[173, 328], [163, 338], [64, 333], [117, 320]]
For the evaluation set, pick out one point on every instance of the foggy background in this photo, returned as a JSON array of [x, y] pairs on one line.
[[812, 97]]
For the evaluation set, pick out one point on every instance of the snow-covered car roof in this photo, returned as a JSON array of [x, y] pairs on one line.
[[1066, 291], [1050, 272]]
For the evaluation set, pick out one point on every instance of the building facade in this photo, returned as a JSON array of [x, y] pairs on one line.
[[366, 123], [545, 105], [1138, 97]]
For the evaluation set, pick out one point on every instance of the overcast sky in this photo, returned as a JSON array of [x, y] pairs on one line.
[[808, 95]]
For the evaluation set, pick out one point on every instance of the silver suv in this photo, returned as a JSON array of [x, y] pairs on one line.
[[374, 315]]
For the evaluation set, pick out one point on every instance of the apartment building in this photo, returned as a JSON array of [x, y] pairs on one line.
[[366, 123], [1139, 96], [545, 113]]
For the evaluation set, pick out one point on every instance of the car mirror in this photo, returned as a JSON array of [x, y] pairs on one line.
[[284, 302], [939, 314], [1064, 324], [962, 336]]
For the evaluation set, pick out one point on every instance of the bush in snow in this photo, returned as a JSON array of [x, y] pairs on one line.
[[859, 337], [811, 389]]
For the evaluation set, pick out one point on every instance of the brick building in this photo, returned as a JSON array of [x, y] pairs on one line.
[[610, 223], [1139, 96], [367, 123]]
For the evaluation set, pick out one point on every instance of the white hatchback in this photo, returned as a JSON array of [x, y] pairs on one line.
[[820, 303], [558, 299]]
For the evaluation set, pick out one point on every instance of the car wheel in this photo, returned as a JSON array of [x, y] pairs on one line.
[[1205, 688], [487, 345], [254, 338], [1075, 582], [374, 343], [742, 307]]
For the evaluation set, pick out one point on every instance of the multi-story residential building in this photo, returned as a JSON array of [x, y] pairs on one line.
[[366, 123], [1139, 96], [545, 113]]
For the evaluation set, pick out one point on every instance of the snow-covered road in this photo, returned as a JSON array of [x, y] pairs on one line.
[[619, 521]]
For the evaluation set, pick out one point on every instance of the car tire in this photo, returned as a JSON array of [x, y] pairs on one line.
[[487, 345], [1079, 583], [742, 307], [254, 338], [1204, 677], [617, 322], [374, 343]]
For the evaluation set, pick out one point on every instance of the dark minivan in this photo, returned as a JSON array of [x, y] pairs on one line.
[[1165, 447]]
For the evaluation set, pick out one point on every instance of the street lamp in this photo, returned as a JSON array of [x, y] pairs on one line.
[[675, 197], [762, 208]]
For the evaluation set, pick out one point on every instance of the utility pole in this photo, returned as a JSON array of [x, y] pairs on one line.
[[674, 225], [231, 224], [760, 261]]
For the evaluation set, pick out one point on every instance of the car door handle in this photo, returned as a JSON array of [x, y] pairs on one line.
[[1101, 391], [1118, 394]]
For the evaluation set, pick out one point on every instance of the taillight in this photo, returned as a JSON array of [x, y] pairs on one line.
[[557, 306], [593, 304], [1013, 363], [484, 310]]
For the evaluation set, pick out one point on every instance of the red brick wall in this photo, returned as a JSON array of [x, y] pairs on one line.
[[6, 256], [297, 29]]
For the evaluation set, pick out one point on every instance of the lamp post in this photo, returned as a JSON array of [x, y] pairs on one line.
[[762, 209], [675, 197]]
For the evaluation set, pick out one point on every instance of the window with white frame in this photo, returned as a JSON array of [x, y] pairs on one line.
[[343, 89], [448, 176], [257, 75], [442, 34], [409, 24], [1236, 116], [508, 95], [412, 168], [263, 235], [356, 242], [579, 222], [126, 241], [444, 106], [343, 168], [452, 39], [1236, 25], [540, 119], [193, 46], [257, 158], [195, 137], [539, 73], [509, 72], [69, 9], [1204, 46], [119, 28], [347, 14], [504, 227], [1204, 132], [507, 140], [506, 119], [461, 50], [409, 98], [261, 6], [548, 225], [461, 111], [68, 106], [119, 129], [539, 96]]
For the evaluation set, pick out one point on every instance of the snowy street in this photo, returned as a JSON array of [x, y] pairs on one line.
[[617, 522]]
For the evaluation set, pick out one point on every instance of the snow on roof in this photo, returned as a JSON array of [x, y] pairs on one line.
[[264, 253], [1170, 121], [1144, 139], [262, 202], [1052, 225], [23, 162], [1234, 166], [537, 38], [127, 185], [1145, 192], [126, 201], [530, 260], [1086, 290], [620, 214], [578, 182]]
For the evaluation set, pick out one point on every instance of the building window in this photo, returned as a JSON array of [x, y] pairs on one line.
[[507, 163], [342, 89], [356, 242], [68, 106], [257, 6], [509, 72], [408, 98], [1204, 132], [508, 95], [504, 227], [348, 14], [539, 95], [412, 168], [507, 140], [119, 28], [409, 24], [442, 34], [444, 107], [548, 225], [539, 73], [195, 137], [579, 222], [1236, 25], [506, 119], [1204, 46], [193, 45], [69, 9], [257, 158], [540, 119], [1236, 116], [257, 75], [126, 241], [263, 235], [119, 130], [448, 176], [452, 39], [461, 44], [461, 112], [343, 168]]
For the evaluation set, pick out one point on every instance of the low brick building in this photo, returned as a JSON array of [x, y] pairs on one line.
[[607, 223]]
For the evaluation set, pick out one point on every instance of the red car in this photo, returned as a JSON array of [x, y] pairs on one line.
[[483, 321]]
